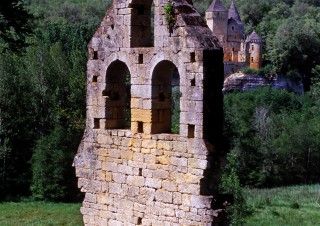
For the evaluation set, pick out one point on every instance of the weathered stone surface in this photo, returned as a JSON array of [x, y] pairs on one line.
[[138, 172]]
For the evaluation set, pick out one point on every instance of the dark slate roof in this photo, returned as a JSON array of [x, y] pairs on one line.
[[216, 5], [254, 37], [233, 13]]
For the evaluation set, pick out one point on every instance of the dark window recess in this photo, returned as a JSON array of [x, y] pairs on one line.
[[111, 95], [95, 78], [193, 82], [140, 59], [251, 59], [96, 123], [140, 172], [140, 127], [232, 49], [95, 55], [232, 28], [191, 129], [162, 97], [112, 26], [193, 57], [139, 222], [140, 9]]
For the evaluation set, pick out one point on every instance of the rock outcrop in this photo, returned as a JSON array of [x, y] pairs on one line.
[[242, 82]]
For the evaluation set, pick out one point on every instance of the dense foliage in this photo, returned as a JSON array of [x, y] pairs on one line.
[[15, 23], [276, 135], [42, 100]]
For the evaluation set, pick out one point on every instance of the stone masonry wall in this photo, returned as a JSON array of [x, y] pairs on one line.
[[144, 174], [140, 179]]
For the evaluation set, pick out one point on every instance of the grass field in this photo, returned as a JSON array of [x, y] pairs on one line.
[[39, 213], [287, 206]]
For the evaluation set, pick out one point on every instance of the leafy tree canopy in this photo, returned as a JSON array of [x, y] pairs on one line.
[[16, 23]]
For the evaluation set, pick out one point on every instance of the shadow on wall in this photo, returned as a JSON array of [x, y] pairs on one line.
[[213, 133]]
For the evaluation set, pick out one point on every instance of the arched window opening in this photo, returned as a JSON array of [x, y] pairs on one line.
[[165, 98], [118, 96], [142, 23]]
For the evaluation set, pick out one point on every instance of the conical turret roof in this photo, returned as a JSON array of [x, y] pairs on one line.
[[254, 37], [216, 5], [233, 13]]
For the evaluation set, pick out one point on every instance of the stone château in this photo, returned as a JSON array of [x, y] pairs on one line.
[[239, 51], [132, 167]]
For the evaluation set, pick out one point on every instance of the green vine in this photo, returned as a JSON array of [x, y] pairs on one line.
[[170, 16]]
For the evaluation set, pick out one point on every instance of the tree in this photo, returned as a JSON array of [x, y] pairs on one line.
[[296, 47], [16, 23]]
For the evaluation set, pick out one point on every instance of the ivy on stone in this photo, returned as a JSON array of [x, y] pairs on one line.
[[170, 16]]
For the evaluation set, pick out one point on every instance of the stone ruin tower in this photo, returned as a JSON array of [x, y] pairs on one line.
[[154, 106]]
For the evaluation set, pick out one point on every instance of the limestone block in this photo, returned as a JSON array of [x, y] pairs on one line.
[[141, 91], [150, 159], [104, 199], [92, 198], [189, 188], [160, 174], [139, 157], [178, 161], [111, 167], [177, 198], [128, 155], [169, 186], [163, 196], [133, 191], [197, 163], [119, 178], [164, 145], [145, 151], [136, 103], [200, 201], [153, 183], [147, 195], [103, 139], [141, 115], [115, 223], [149, 144], [115, 153], [115, 188], [137, 181], [164, 160]]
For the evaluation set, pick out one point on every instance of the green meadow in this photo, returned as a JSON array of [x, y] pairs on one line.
[[284, 206]]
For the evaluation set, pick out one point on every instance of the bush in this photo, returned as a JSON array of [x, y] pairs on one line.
[[53, 176], [230, 184]]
